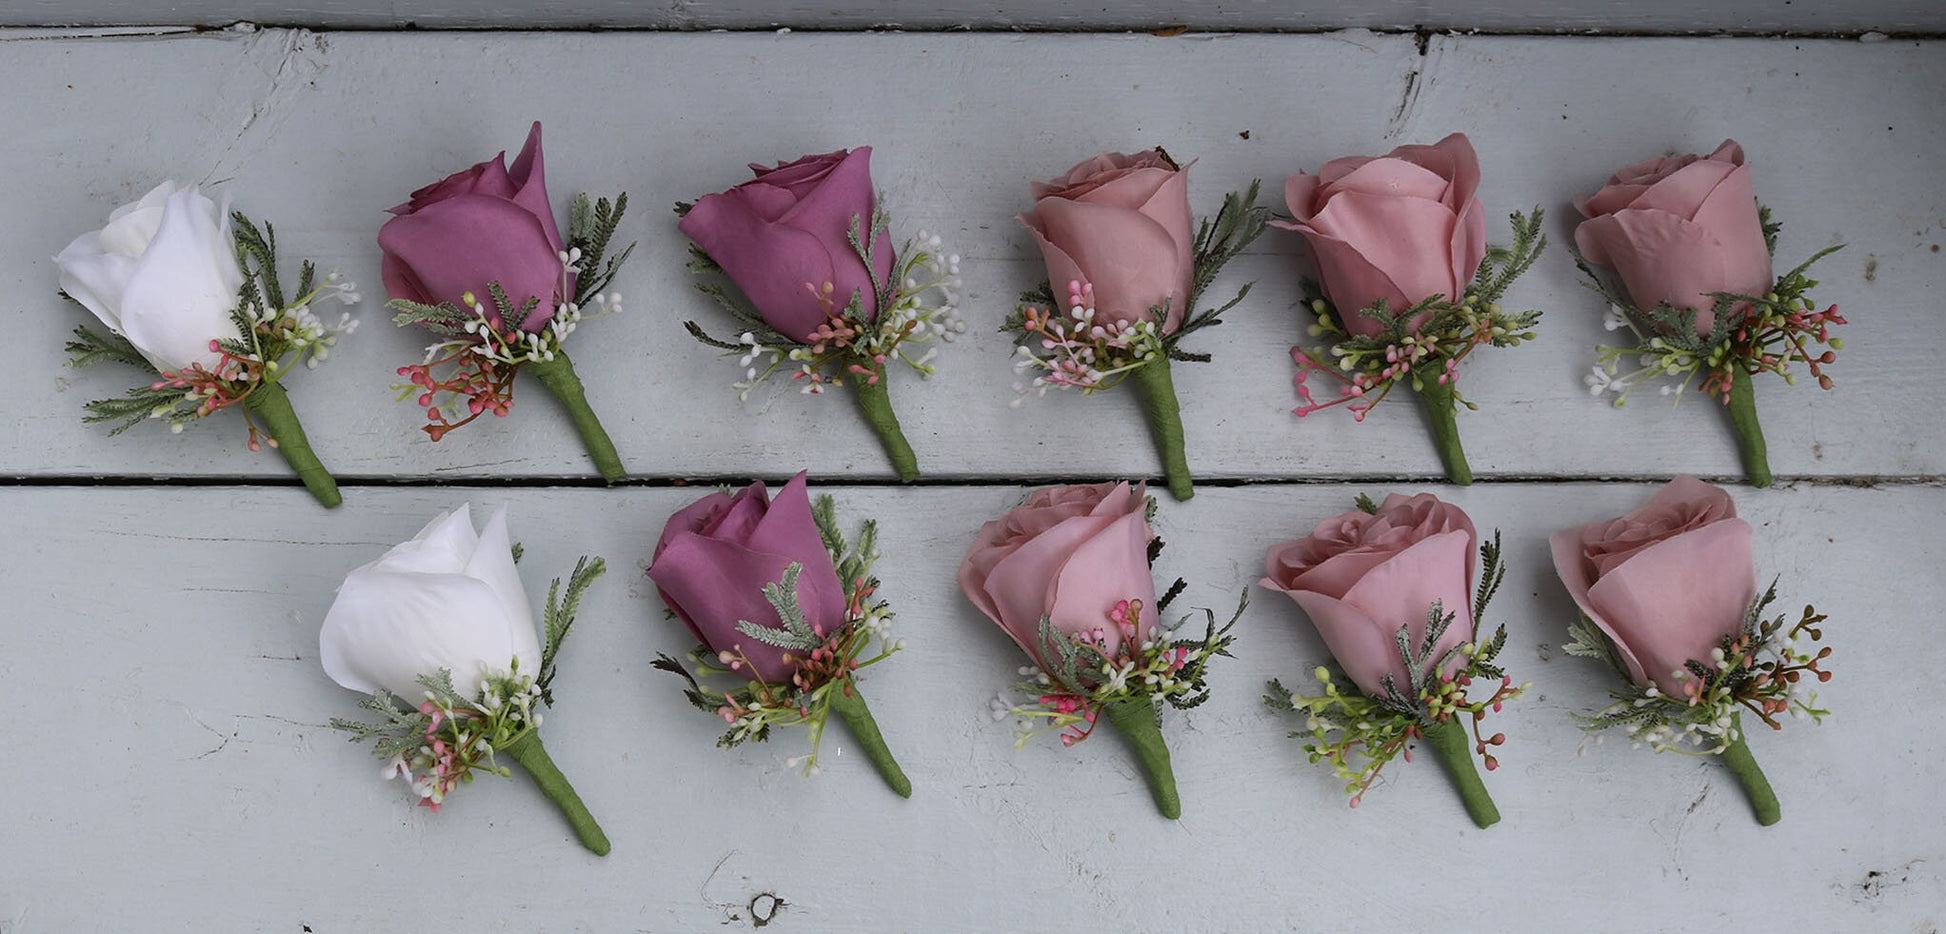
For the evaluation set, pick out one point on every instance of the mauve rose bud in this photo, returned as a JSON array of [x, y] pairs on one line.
[[1120, 223]]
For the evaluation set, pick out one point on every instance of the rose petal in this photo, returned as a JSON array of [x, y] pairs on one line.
[[774, 265], [1677, 599], [463, 244]]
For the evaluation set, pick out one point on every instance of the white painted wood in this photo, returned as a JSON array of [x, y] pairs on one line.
[[166, 769], [1517, 15], [319, 132]]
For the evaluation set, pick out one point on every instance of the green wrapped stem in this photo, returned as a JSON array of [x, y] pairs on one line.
[[559, 378], [1763, 801], [271, 407], [1750, 434], [850, 707], [1165, 422], [532, 756], [875, 401], [1448, 738], [1440, 407], [1135, 719]]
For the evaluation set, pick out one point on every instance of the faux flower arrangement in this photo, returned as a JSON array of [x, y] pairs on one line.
[[1668, 598], [1067, 575], [440, 633], [477, 259], [787, 614], [1692, 249], [819, 291], [1407, 286], [190, 292], [1126, 265], [1391, 588]]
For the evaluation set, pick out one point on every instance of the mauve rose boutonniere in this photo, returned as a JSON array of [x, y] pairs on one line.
[[477, 259], [785, 609], [1407, 286], [1390, 587], [439, 632], [820, 293], [1126, 265], [1067, 575], [189, 292], [1692, 249], [1668, 597]]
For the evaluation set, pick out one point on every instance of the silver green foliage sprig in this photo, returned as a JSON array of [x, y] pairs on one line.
[[1767, 667], [1358, 734], [827, 662], [278, 331]]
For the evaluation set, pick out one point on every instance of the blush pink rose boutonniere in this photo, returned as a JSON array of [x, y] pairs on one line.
[[1407, 286], [820, 293], [189, 293], [1692, 249], [1126, 265], [477, 259], [1668, 597], [786, 613], [439, 632], [1067, 575], [1391, 588]]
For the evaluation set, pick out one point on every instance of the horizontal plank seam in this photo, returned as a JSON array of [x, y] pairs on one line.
[[60, 32], [936, 480]]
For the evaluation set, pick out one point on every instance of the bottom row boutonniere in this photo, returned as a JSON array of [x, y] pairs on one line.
[[1668, 596], [1388, 587], [1067, 574], [443, 620], [786, 612]]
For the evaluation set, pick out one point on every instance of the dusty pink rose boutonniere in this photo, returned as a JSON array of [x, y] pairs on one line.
[[189, 293], [1691, 249], [786, 613], [1067, 575], [477, 259], [1406, 286], [1126, 265], [1391, 588], [1668, 598], [819, 291]]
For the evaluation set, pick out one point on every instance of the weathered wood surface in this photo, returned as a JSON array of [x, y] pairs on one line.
[[319, 132], [167, 767]]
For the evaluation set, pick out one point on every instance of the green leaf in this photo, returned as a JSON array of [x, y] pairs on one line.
[[559, 615]]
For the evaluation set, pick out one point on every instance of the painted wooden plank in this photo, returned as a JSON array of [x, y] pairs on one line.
[[319, 132], [166, 709], [1519, 15]]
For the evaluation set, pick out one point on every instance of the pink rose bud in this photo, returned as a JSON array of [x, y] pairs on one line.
[[716, 555], [1121, 224], [1677, 229], [783, 238], [1360, 577], [1666, 582], [1069, 554], [484, 225], [1402, 227]]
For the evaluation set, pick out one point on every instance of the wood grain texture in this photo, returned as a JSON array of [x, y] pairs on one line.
[[1669, 16], [319, 132], [165, 710]]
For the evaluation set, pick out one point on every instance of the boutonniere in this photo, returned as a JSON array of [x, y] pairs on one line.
[[1668, 598], [1692, 249], [190, 292], [787, 612], [1407, 286], [1126, 265], [820, 293], [477, 259], [1067, 575], [439, 632], [1391, 588]]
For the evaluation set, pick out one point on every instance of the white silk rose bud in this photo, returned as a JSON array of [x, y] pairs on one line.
[[449, 598], [163, 273]]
